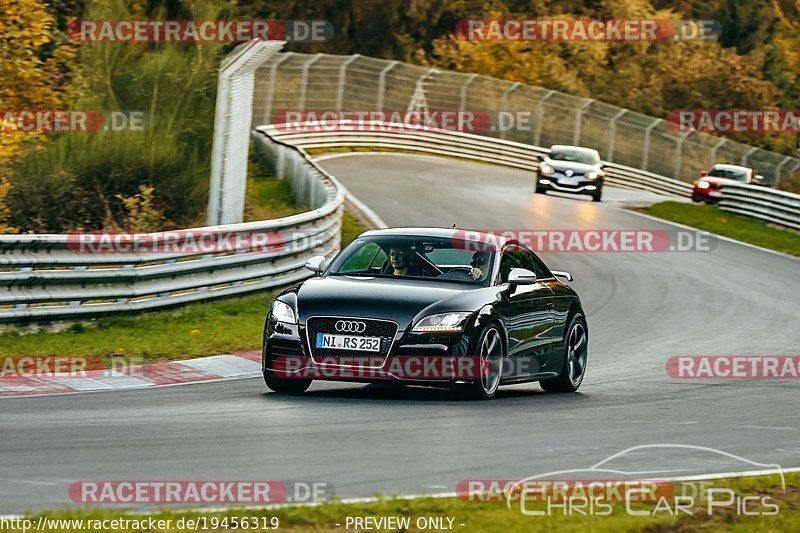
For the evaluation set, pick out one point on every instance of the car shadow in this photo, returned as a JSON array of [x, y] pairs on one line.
[[398, 393]]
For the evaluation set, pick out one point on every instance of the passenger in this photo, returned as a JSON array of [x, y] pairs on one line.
[[401, 260]]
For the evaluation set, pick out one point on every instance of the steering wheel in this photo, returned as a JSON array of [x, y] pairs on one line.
[[459, 273]]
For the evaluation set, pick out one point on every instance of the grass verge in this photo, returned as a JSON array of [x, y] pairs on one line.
[[496, 517], [712, 218]]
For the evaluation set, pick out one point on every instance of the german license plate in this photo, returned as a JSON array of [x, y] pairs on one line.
[[567, 181], [348, 342]]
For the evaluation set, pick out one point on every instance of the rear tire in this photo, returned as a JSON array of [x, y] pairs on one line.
[[576, 348], [492, 353]]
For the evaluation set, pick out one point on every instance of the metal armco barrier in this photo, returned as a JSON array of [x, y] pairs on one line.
[[777, 207], [48, 277], [462, 145]]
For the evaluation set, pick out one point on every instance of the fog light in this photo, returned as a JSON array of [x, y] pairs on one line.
[[544, 182], [591, 188]]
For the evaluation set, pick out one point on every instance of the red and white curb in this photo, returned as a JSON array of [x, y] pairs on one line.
[[213, 368]]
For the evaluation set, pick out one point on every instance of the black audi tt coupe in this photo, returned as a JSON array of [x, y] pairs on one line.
[[436, 307]]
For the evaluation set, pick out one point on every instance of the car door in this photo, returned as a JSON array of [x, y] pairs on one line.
[[558, 302], [528, 316]]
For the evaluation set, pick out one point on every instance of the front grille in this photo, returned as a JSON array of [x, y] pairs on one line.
[[385, 329], [278, 347]]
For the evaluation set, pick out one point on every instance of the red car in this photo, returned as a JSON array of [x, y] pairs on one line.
[[709, 187]]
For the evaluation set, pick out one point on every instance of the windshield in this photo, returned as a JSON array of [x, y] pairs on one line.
[[574, 156], [436, 259], [738, 175]]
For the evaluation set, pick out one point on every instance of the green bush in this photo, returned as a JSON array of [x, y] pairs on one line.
[[74, 182]]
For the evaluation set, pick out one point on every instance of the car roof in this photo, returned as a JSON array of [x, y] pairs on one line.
[[440, 232], [567, 146], [722, 166]]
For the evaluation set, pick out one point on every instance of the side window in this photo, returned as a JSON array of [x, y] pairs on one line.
[[516, 257], [364, 258], [535, 265], [511, 259]]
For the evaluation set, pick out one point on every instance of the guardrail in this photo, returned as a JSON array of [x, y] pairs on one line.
[[777, 207], [457, 144], [53, 277]]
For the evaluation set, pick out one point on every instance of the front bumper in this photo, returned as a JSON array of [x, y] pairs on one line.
[[430, 359], [575, 185]]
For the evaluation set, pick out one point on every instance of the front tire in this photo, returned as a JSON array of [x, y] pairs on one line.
[[597, 195], [286, 386], [492, 353], [278, 384], [576, 347]]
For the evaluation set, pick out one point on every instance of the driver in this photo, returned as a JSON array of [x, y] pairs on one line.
[[400, 259], [479, 266]]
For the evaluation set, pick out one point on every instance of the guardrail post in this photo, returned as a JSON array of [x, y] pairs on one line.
[[539, 112], [462, 92], [382, 84], [714, 151], [273, 75], [780, 167], [743, 160], [576, 137], [679, 157], [418, 99], [233, 115], [340, 88], [504, 103], [301, 103], [612, 134], [646, 145]]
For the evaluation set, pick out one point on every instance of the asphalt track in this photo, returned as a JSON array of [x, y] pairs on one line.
[[642, 308]]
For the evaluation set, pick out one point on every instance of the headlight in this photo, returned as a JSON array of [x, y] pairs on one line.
[[703, 184], [546, 169], [592, 175], [282, 313], [442, 323]]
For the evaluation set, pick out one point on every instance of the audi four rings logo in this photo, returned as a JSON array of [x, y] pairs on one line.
[[350, 326]]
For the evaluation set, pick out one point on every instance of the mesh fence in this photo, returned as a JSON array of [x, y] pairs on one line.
[[521, 113]]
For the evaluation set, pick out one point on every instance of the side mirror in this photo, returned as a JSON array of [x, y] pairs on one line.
[[316, 264], [566, 275], [521, 276], [758, 178]]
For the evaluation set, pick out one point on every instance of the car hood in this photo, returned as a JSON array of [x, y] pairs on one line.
[[400, 300], [580, 168]]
